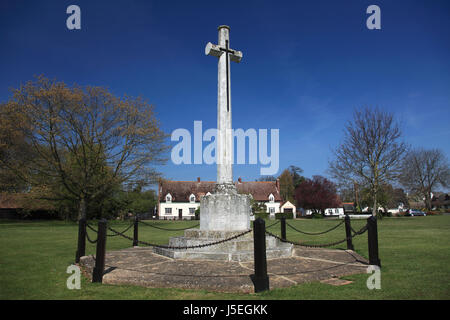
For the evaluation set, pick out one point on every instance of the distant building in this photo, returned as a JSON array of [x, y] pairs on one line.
[[180, 199], [344, 208], [329, 212], [288, 207], [349, 207], [9, 206], [440, 201], [21, 205]]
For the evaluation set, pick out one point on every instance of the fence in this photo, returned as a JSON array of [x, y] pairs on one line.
[[260, 278]]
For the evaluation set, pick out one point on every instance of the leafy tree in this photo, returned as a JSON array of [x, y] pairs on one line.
[[388, 197], [85, 142], [296, 175], [287, 186], [13, 145], [317, 194], [138, 201], [371, 153], [423, 171], [256, 206]]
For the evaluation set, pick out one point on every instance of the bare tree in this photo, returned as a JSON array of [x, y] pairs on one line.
[[348, 190], [423, 171], [371, 152], [83, 141]]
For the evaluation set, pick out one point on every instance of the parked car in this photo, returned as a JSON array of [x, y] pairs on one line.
[[413, 213]]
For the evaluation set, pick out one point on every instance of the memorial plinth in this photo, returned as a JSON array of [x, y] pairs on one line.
[[225, 210]]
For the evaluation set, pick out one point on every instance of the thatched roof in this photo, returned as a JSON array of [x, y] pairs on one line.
[[23, 201], [181, 190]]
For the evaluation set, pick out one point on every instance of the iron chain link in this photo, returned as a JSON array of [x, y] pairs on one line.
[[356, 233], [183, 247], [316, 233], [166, 229]]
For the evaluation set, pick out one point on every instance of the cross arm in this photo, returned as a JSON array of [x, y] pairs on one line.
[[216, 51]]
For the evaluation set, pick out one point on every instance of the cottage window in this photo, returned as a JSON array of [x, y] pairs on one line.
[[169, 198], [168, 210]]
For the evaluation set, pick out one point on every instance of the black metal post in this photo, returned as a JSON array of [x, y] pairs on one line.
[[97, 275], [283, 227], [260, 279], [81, 248], [348, 233], [135, 233], [372, 238]]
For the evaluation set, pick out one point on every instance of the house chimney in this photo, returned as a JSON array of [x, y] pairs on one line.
[[240, 180], [277, 184], [198, 179]]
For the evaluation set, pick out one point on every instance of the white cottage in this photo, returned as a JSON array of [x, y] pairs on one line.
[[180, 199], [288, 207]]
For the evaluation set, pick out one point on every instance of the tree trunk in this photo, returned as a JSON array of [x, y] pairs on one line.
[[374, 208], [82, 209], [358, 207], [428, 201]]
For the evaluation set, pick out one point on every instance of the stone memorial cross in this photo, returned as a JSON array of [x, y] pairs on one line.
[[224, 133]]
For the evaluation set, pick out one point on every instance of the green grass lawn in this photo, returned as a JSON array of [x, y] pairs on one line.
[[414, 252]]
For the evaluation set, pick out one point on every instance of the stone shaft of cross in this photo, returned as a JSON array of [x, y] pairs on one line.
[[224, 132]]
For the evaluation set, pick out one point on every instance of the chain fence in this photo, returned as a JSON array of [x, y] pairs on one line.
[[167, 229], [182, 247], [315, 233], [122, 234], [273, 224], [87, 234], [110, 235], [355, 233]]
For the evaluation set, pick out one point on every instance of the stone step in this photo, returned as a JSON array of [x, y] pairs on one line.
[[285, 250], [238, 244], [239, 249]]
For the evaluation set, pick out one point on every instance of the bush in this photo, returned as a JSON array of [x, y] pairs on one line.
[[262, 215], [197, 214], [278, 215], [433, 213], [314, 215]]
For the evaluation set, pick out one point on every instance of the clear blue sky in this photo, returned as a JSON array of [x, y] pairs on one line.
[[307, 65]]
